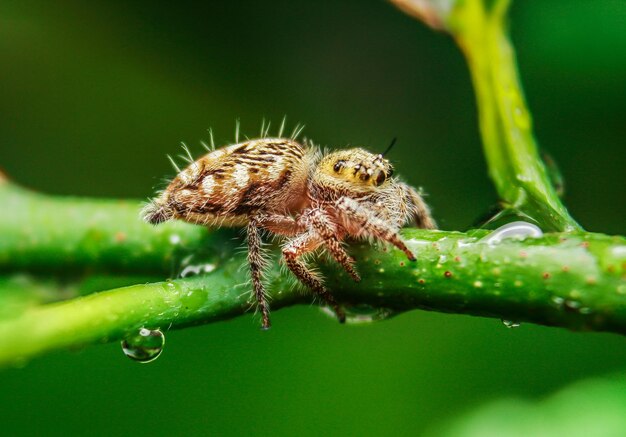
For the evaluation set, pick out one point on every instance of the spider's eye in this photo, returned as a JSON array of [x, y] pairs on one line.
[[339, 165], [380, 178]]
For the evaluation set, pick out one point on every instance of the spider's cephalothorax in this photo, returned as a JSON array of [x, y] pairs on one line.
[[286, 188]]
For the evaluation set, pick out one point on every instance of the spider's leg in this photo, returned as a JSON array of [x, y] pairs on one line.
[[327, 231], [419, 211], [372, 225], [297, 247], [255, 259], [280, 224]]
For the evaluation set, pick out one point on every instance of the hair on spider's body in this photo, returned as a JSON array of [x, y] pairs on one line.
[[311, 200]]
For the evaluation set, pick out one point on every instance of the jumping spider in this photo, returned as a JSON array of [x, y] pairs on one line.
[[292, 190]]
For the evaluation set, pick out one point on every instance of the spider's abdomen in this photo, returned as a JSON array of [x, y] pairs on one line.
[[231, 183]]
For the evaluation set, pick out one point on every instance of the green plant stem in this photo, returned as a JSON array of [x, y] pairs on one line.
[[576, 281], [71, 235], [505, 122], [480, 29]]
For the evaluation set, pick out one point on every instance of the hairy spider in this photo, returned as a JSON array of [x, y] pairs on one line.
[[293, 190]]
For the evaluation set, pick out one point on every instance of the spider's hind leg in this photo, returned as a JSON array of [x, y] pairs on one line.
[[255, 259]]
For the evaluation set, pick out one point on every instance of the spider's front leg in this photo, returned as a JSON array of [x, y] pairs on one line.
[[327, 231], [371, 225], [292, 251], [256, 262]]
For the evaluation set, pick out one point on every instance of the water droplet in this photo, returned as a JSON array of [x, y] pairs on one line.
[[510, 323], [497, 216], [362, 313], [517, 229], [558, 301], [144, 346], [619, 251], [193, 270]]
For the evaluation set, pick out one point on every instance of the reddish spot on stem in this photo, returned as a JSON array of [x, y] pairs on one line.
[[421, 281], [457, 259], [545, 275], [120, 237], [523, 254], [565, 268], [584, 244], [447, 274]]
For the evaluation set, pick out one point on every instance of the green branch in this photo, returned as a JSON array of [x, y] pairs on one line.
[[574, 281], [520, 176]]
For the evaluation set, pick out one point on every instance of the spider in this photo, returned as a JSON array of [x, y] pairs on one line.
[[311, 199]]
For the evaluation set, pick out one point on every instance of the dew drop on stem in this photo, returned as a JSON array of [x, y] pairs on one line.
[[516, 229], [510, 323], [362, 313], [144, 346]]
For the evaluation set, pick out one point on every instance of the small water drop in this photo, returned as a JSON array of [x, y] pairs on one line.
[[194, 270], [145, 346], [362, 313], [510, 323], [558, 301], [619, 252], [498, 216], [517, 229]]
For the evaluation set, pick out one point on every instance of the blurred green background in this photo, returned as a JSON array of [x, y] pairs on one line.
[[94, 94]]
